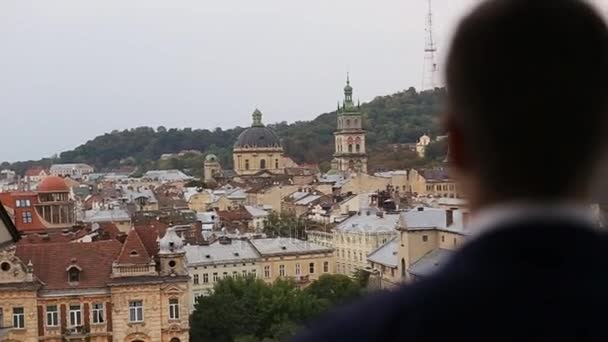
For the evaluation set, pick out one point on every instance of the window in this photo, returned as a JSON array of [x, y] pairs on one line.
[[298, 271], [311, 268], [173, 308], [254, 273], [214, 277], [263, 164], [425, 238], [52, 316], [18, 318], [358, 148], [360, 256], [281, 270], [205, 278], [266, 272], [350, 148], [442, 238], [136, 311], [235, 274], [23, 203], [246, 164], [347, 122], [98, 316], [75, 315], [225, 275], [196, 279], [26, 216], [325, 266], [73, 275], [276, 164]]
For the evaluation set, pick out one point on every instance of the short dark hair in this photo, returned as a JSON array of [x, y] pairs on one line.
[[527, 85]]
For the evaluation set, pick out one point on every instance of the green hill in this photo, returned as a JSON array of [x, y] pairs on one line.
[[392, 119]]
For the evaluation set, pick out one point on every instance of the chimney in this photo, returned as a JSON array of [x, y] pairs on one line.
[[449, 217]]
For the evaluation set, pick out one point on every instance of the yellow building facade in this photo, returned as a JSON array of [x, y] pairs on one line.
[[258, 149], [95, 291]]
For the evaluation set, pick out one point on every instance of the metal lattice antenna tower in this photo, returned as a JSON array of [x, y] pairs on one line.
[[429, 72]]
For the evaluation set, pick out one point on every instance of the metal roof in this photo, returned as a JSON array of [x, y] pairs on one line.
[[386, 254], [236, 251], [371, 223], [430, 263], [277, 246]]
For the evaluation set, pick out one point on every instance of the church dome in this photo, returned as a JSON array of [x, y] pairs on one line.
[[211, 158], [257, 136], [53, 184]]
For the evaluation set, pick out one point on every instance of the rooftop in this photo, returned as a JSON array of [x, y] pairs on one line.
[[236, 251], [106, 215], [279, 246], [431, 262], [371, 223], [386, 254]]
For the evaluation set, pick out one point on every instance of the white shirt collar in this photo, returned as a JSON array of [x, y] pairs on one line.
[[497, 216]]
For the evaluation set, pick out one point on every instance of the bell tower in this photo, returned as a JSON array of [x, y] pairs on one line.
[[350, 151]]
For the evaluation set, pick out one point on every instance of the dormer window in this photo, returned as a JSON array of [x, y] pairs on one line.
[[133, 253], [74, 274]]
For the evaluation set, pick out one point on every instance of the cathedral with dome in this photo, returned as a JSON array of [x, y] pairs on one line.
[[258, 150], [350, 152]]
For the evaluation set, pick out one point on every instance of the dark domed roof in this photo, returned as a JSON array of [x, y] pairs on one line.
[[258, 136]]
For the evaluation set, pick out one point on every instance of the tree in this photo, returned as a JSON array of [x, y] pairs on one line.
[[245, 308], [334, 289]]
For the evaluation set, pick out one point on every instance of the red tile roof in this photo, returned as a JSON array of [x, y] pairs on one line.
[[133, 250], [240, 214], [149, 234], [53, 184], [51, 262], [35, 171]]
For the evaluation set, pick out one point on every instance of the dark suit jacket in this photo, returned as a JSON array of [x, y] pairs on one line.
[[534, 281]]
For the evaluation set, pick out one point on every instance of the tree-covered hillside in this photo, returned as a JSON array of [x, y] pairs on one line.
[[397, 118]]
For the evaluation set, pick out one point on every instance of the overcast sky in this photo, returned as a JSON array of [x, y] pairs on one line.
[[71, 69]]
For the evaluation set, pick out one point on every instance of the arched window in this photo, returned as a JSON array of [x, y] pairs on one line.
[[246, 164], [347, 122], [350, 148], [403, 268], [263, 164], [351, 164], [358, 148], [276, 164]]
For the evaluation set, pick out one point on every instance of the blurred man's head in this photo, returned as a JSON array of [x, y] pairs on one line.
[[528, 99]]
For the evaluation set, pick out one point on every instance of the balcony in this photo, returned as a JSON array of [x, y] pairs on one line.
[[78, 333]]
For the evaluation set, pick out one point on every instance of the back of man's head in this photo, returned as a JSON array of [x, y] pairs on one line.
[[528, 93]]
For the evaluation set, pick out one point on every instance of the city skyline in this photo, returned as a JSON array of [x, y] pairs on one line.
[[73, 70]]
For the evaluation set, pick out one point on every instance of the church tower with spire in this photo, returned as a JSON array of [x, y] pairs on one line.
[[350, 150]]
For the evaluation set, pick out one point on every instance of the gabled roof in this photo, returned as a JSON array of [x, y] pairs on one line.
[[52, 261], [149, 235], [133, 250]]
